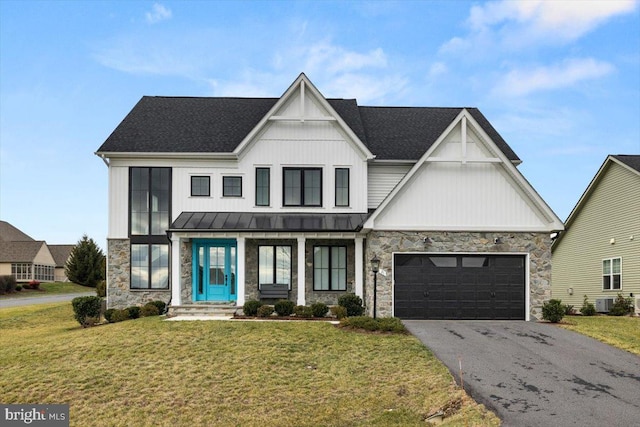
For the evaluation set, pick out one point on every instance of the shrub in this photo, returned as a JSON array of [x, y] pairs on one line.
[[265, 311], [86, 263], [34, 284], [134, 312], [108, 314], [8, 284], [588, 309], [391, 324], [553, 310], [352, 303], [339, 311], [284, 307], [383, 324], [250, 308], [149, 309], [319, 309], [303, 311], [18, 288], [85, 308], [621, 306], [101, 289], [568, 310], [120, 315], [162, 306]]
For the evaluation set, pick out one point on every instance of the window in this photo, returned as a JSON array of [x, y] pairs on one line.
[[21, 271], [201, 186], [26, 271], [232, 186], [302, 187], [262, 186], [149, 207], [330, 268], [274, 265], [342, 187], [612, 274]]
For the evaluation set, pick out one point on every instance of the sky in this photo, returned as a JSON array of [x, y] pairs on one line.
[[560, 81]]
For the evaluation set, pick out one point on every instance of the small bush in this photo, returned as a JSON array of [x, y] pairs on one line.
[[101, 289], [108, 314], [568, 310], [265, 311], [588, 309], [85, 308], [352, 303], [339, 311], [384, 324], [149, 309], [162, 306], [303, 311], [319, 309], [250, 308], [18, 288], [621, 306], [34, 284], [120, 316], [8, 284], [284, 307], [553, 310], [391, 324], [134, 312]]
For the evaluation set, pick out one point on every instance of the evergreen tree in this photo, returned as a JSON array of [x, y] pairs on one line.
[[86, 263]]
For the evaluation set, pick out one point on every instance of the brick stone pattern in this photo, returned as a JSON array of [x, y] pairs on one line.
[[384, 243], [328, 297], [186, 272], [119, 294]]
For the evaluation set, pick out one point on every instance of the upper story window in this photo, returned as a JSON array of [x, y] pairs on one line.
[[232, 186], [201, 186], [149, 201], [342, 187], [302, 187], [263, 181], [612, 274]]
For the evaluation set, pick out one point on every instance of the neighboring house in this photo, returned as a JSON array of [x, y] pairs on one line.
[[61, 254], [231, 199], [598, 254], [23, 257]]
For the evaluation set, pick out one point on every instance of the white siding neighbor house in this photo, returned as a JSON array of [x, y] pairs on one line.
[[223, 200]]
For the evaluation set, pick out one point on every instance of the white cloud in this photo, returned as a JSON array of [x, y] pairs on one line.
[[437, 68], [158, 13], [519, 82]]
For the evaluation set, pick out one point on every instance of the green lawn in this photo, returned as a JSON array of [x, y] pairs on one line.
[[49, 289], [224, 373], [622, 332]]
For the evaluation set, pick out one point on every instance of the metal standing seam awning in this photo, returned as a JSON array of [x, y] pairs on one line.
[[246, 221]]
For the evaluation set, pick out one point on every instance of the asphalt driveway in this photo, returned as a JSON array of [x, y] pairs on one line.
[[537, 374], [45, 299]]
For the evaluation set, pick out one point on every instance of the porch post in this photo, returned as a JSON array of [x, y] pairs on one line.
[[176, 294], [301, 271], [240, 258], [359, 269]]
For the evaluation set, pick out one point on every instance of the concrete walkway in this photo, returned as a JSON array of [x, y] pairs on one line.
[[45, 299]]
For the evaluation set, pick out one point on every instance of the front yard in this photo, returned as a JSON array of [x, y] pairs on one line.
[[622, 332], [151, 372]]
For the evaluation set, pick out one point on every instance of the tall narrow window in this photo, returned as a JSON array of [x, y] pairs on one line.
[[612, 274], [274, 265], [302, 186], [342, 187], [330, 268], [232, 186], [201, 186], [262, 186]]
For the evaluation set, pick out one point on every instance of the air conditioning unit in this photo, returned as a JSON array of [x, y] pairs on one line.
[[604, 305], [637, 306]]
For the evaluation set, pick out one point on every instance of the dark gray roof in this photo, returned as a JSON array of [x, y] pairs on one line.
[[9, 233], [630, 160], [243, 221], [24, 251], [60, 253], [218, 125]]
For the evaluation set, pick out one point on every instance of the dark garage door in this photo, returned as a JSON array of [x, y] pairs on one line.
[[484, 287]]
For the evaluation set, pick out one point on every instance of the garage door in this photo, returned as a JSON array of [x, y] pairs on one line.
[[484, 287]]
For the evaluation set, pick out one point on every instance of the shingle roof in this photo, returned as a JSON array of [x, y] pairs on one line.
[[218, 125], [60, 253], [9, 233], [630, 160], [24, 251]]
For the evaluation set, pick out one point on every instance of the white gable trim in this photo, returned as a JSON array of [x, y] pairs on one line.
[[306, 88], [465, 118]]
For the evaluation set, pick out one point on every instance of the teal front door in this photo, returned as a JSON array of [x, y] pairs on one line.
[[214, 270]]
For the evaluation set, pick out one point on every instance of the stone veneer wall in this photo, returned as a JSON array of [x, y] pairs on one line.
[[119, 294], [384, 243], [328, 297], [186, 272]]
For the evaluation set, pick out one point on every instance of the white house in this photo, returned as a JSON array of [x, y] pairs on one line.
[[228, 199]]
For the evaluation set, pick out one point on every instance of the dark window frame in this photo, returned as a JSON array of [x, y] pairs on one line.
[[208, 178], [149, 234], [332, 287], [275, 263], [348, 187], [302, 171], [225, 187], [149, 250], [261, 188]]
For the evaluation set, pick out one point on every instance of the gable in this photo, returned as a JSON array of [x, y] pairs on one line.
[[464, 182]]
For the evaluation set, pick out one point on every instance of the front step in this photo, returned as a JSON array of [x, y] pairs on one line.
[[203, 310]]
